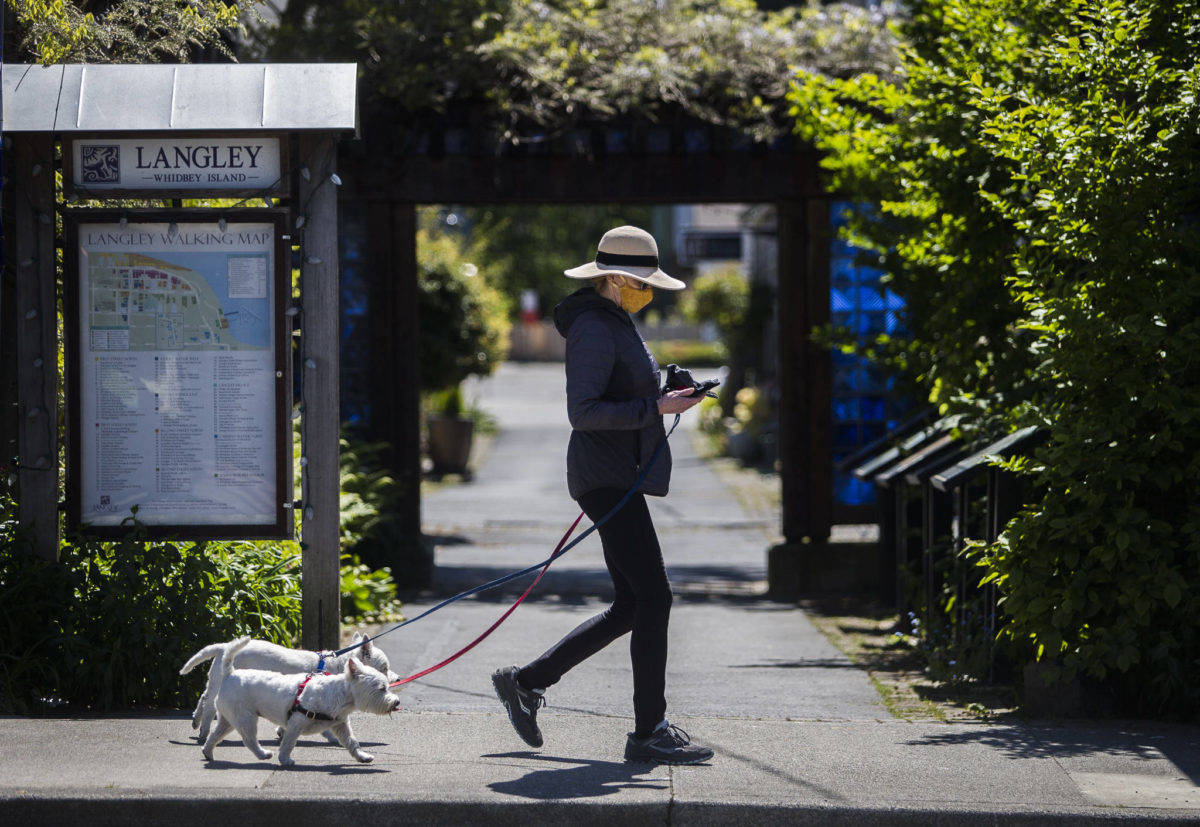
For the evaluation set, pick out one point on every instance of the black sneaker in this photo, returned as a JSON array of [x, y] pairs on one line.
[[667, 745], [522, 704]]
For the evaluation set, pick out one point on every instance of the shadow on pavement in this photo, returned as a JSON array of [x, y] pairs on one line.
[[730, 584], [299, 766], [802, 663], [1181, 745], [582, 778], [724, 751]]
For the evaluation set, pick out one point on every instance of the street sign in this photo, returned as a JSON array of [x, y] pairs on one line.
[[175, 165]]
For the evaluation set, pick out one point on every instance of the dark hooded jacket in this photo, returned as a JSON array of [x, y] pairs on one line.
[[612, 399]]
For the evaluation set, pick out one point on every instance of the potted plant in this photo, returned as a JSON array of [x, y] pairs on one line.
[[450, 433], [463, 332]]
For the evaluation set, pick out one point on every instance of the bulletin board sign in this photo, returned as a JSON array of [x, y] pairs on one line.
[[178, 372], [169, 165]]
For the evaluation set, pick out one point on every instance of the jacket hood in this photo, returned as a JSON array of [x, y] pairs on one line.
[[585, 298]]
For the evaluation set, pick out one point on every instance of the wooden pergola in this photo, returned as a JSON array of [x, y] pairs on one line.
[[396, 168]]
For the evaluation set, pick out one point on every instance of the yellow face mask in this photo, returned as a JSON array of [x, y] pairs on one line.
[[634, 299]]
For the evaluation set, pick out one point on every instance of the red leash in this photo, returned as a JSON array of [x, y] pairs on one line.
[[503, 617]]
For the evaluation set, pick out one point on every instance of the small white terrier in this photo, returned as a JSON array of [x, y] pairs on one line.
[[261, 654], [323, 704]]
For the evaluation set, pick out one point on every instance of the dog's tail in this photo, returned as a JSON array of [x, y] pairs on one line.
[[231, 650], [207, 653]]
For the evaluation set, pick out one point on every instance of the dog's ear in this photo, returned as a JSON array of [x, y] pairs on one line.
[[352, 668], [356, 637], [366, 646]]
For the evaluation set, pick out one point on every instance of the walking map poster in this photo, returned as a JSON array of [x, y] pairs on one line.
[[178, 375]]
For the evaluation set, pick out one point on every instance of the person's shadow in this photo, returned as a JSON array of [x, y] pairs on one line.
[[583, 778]]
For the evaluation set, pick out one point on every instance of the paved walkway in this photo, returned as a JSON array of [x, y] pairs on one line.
[[799, 732], [732, 654]]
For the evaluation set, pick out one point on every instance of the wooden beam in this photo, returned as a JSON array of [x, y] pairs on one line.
[[818, 368], [32, 172], [794, 444], [8, 342], [395, 398], [320, 530], [711, 177]]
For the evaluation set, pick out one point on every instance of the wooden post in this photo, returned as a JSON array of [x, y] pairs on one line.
[[806, 475], [32, 201], [395, 399], [320, 531], [818, 369]]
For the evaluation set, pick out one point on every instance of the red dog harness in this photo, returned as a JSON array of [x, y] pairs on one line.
[[307, 713]]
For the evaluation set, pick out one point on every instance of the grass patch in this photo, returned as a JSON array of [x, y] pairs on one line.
[[896, 667], [691, 353]]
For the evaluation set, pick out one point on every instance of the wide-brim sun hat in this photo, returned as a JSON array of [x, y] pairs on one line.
[[627, 251]]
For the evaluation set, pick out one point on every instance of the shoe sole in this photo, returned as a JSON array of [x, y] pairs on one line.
[[674, 763], [496, 686]]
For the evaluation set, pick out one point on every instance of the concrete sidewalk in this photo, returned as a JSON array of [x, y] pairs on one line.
[[799, 732], [458, 767]]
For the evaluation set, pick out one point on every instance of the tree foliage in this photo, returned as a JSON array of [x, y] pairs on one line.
[[542, 66], [528, 247], [721, 61], [464, 320], [1037, 171], [126, 31]]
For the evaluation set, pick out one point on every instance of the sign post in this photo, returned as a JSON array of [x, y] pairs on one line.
[[179, 324], [320, 526]]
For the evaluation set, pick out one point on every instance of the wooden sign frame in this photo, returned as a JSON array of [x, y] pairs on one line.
[[283, 526]]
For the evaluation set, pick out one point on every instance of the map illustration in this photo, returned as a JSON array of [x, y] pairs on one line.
[[196, 301]]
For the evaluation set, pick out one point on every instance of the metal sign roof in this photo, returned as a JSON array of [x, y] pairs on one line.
[[180, 97]]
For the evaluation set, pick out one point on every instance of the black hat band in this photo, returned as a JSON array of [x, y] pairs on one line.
[[630, 261]]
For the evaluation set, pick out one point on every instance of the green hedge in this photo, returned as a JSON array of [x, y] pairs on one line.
[[112, 622], [1038, 172], [689, 353]]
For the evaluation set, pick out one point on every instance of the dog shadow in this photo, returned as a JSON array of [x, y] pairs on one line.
[[273, 764], [579, 778], [274, 742]]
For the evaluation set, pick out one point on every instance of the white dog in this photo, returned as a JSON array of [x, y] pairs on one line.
[[261, 654], [301, 704]]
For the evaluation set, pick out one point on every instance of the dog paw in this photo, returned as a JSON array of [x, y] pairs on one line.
[[266, 755], [365, 757], [286, 761], [208, 756]]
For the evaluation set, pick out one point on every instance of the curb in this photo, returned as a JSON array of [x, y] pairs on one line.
[[184, 809]]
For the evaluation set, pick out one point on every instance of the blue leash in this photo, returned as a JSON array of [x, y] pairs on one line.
[[508, 577]]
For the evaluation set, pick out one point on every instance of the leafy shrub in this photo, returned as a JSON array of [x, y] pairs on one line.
[[368, 595], [689, 353], [720, 296], [111, 623], [464, 321], [1038, 176], [369, 497]]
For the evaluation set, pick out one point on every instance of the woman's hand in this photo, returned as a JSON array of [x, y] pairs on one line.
[[674, 402]]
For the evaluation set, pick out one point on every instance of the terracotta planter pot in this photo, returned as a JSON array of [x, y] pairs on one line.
[[450, 443]]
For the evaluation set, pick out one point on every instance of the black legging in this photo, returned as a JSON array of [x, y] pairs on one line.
[[642, 604]]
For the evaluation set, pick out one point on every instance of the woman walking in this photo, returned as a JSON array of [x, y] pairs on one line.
[[616, 411]]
